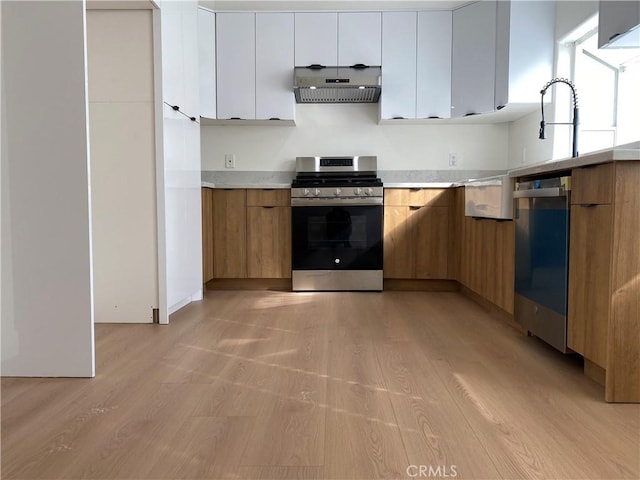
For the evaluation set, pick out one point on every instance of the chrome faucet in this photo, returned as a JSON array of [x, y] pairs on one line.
[[575, 112]]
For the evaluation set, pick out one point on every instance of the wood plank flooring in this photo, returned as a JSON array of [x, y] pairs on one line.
[[280, 385]]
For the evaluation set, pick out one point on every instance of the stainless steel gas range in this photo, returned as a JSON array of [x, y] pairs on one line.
[[337, 224]]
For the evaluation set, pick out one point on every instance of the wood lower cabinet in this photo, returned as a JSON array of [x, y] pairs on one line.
[[247, 232], [268, 242], [229, 233], [432, 242], [604, 273], [482, 255], [207, 234], [416, 233], [590, 281]]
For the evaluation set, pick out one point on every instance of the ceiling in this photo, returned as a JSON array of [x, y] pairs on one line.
[[330, 5]]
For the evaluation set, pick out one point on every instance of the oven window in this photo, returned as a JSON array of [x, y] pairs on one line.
[[337, 228], [337, 237]]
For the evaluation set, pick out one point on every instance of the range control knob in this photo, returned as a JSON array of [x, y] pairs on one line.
[[357, 191], [316, 191], [305, 192], [368, 191], [337, 192]]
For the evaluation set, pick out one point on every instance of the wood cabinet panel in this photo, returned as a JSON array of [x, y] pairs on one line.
[[417, 197], [269, 242], [207, 234], [399, 254], [230, 233], [486, 256], [592, 185], [268, 197], [623, 359], [589, 281], [431, 230]]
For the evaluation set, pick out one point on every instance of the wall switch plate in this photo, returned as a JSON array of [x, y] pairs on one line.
[[453, 159], [229, 160]]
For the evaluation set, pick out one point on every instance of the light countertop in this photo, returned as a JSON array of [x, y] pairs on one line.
[[390, 178], [629, 151]]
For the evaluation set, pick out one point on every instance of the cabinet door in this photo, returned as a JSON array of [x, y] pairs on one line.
[[269, 242], [592, 185], [473, 59], [274, 66], [190, 60], [434, 64], [399, 65], [525, 39], [615, 20], [316, 39], [229, 233], [207, 234], [269, 197], [432, 242], [207, 62], [399, 251], [589, 281], [359, 38], [236, 65], [172, 65]]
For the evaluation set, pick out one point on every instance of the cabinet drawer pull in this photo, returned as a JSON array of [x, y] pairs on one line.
[[415, 189], [614, 36], [414, 207], [588, 204], [265, 206]]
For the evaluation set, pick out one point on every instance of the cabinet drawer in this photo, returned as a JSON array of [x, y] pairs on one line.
[[592, 185], [268, 197], [416, 197]]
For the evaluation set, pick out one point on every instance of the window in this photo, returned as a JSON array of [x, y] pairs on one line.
[[608, 95]]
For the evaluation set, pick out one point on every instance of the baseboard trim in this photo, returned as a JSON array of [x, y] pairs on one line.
[[277, 284], [420, 285]]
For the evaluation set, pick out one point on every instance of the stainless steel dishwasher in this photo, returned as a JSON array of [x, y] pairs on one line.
[[542, 258]]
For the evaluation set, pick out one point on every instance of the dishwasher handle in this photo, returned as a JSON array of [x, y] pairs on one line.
[[541, 192]]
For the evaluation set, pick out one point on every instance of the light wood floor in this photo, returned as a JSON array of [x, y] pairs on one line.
[[327, 385]]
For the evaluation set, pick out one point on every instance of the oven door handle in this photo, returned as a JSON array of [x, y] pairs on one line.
[[330, 202]]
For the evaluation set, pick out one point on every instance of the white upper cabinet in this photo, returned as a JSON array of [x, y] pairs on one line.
[[191, 80], [524, 50], [172, 42], [316, 39], [618, 24], [207, 62], [236, 65], [473, 66], [359, 38], [434, 64], [274, 66], [398, 99]]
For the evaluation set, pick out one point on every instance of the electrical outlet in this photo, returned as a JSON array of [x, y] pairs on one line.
[[453, 159], [229, 160]]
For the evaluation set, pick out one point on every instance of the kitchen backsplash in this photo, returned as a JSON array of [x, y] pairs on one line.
[[353, 130]]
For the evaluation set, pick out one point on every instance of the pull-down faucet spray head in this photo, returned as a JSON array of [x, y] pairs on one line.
[[574, 123]]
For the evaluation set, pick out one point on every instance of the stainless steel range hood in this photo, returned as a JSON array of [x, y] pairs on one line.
[[320, 84]]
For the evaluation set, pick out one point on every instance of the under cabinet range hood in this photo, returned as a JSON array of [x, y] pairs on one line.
[[320, 84]]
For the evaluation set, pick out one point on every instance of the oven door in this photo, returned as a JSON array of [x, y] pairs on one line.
[[337, 237]]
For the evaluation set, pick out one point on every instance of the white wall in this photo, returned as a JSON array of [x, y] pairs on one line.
[[180, 202], [47, 310], [353, 130], [123, 174]]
